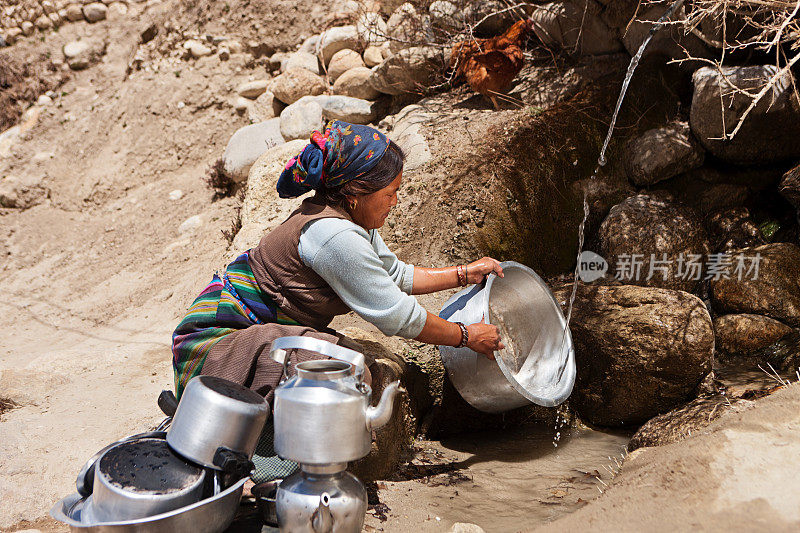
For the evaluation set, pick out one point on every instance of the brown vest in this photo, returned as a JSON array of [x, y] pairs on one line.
[[280, 272]]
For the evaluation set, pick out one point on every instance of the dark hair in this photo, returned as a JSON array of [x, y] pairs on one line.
[[378, 177]]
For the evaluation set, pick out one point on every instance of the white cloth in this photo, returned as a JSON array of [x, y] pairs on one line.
[[364, 273]]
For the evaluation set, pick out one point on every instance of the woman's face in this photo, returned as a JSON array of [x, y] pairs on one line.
[[371, 210]]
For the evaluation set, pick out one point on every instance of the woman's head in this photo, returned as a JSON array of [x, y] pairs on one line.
[[348, 166]]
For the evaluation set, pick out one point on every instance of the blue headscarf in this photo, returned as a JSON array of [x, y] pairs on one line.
[[345, 151]]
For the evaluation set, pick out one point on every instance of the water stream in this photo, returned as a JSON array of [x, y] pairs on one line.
[[601, 160]]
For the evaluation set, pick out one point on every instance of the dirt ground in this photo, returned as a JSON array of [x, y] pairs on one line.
[[98, 275]]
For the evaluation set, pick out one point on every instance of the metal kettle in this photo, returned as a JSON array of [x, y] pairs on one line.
[[323, 415]]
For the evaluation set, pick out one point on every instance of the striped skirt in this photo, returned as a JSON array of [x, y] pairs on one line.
[[229, 303]]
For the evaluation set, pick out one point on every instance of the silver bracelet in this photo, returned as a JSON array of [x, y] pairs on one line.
[[464, 335]]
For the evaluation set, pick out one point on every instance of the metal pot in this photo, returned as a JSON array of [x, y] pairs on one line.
[[211, 515], [323, 414], [216, 413], [142, 478], [265, 493], [538, 363]]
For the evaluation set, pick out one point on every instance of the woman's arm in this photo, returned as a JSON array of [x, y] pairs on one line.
[[428, 280], [483, 338]]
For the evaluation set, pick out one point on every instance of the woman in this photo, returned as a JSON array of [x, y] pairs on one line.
[[326, 259]]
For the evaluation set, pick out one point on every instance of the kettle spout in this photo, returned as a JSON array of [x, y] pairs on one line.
[[322, 519], [379, 416]]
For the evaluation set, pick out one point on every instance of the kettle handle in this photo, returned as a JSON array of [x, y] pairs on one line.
[[280, 349]]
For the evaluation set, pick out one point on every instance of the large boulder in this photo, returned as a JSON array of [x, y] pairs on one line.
[[790, 186], [670, 40], [654, 242], [770, 129], [639, 351], [406, 28], [745, 333], [247, 144], [301, 119], [573, 28], [355, 83], [262, 209], [301, 59], [265, 107], [662, 153], [296, 83], [342, 61], [762, 280], [446, 14], [349, 109], [409, 70], [489, 17], [336, 39], [407, 133], [731, 229], [371, 27]]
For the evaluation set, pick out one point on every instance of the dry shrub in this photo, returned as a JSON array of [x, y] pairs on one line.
[[219, 181], [21, 83]]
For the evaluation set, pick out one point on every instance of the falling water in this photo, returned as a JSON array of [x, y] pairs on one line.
[[601, 161]]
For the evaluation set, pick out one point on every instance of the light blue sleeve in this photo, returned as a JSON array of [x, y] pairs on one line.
[[363, 272]]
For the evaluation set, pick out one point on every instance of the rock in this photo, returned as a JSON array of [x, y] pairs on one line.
[[117, 10], [12, 35], [149, 33], [21, 193], [732, 229], [295, 83], [175, 195], [43, 23], [234, 46], [41, 157], [310, 45], [27, 27], [276, 60], [639, 351], [336, 39], [44, 100], [265, 107], [573, 28], [191, 224], [197, 49], [261, 191], [247, 144], [3, 41], [648, 237], [82, 54], [252, 89], [304, 60], [371, 27], [242, 105], [95, 11], [408, 135], [446, 14], [300, 120], [466, 527], [489, 17], [342, 61], [74, 12], [373, 56], [680, 423], [407, 28], [720, 196], [355, 83], [743, 334], [392, 443], [662, 153], [223, 53], [771, 289], [349, 109], [766, 132], [670, 41], [408, 70], [260, 48], [790, 186]]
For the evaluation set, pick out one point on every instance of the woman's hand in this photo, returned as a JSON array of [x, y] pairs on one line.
[[484, 338], [478, 270]]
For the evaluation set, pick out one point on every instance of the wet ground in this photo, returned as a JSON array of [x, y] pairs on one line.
[[502, 482]]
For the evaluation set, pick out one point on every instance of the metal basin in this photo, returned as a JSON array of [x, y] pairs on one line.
[[538, 363], [211, 515]]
